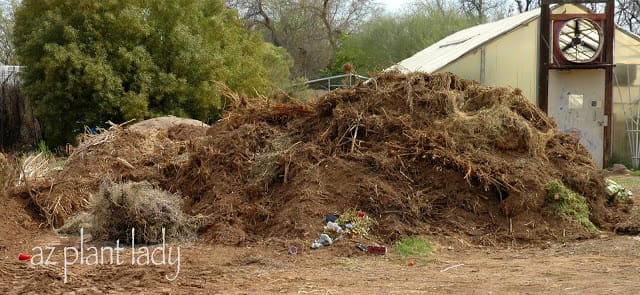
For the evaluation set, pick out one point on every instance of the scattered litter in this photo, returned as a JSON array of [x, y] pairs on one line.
[[293, 250], [330, 218], [324, 240], [452, 267], [411, 263], [333, 227], [356, 223], [379, 250], [617, 191], [361, 247], [350, 224], [23, 257]]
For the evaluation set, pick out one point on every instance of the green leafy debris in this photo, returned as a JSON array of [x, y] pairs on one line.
[[616, 193], [569, 204]]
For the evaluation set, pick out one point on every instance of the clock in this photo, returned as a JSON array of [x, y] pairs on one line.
[[578, 40]]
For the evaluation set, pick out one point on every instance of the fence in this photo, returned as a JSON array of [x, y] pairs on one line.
[[331, 83]]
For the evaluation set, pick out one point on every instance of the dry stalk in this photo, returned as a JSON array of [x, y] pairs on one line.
[[353, 140], [125, 162], [228, 93], [33, 167]]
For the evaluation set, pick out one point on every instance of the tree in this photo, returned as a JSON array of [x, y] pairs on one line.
[[628, 15], [7, 52], [388, 39], [90, 61], [527, 5], [308, 29], [489, 10]]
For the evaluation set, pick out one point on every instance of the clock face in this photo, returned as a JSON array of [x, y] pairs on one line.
[[580, 40]]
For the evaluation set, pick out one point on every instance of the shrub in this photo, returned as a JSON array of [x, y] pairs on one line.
[[86, 62]]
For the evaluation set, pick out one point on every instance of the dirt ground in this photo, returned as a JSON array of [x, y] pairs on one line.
[[608, 264]]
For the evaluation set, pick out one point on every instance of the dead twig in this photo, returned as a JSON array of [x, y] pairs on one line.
[[452, 267], [353, 140]]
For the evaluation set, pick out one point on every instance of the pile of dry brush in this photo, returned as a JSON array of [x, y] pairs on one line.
[[420, 153]]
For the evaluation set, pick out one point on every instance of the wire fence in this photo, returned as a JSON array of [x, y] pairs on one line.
[[339, 81]]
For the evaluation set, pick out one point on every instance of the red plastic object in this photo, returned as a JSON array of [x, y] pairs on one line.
[[379, 250], [23, 257], [360, 214]]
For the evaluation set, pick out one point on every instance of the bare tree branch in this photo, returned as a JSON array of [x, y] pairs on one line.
[[310, 30]]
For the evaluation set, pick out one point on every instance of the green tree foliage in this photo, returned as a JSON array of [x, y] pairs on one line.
[[90, 61], [278, 61], [388, 39]]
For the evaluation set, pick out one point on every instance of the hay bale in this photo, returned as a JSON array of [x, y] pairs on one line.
[[123, 206]]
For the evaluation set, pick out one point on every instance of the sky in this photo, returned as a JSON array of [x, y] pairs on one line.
[[394, 5]]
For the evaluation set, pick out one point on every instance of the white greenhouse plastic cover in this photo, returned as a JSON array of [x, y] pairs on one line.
[[452, 47]]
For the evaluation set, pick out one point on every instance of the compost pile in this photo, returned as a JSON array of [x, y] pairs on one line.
[[419, 153]]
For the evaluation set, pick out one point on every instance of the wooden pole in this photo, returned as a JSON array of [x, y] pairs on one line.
[[608, 82], [543, 58]]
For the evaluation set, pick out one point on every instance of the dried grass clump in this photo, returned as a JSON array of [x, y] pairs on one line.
[[123, 206], [33, 167], [8, 171], [266, 164], [82, 220], [116, 154]]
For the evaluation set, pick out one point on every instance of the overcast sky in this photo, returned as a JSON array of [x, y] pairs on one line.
[[394, 5]]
